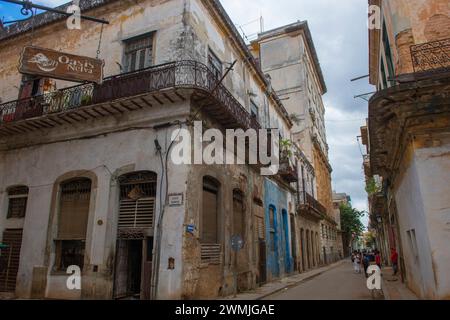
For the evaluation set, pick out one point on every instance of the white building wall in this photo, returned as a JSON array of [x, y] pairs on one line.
[[422, 203], [108, 157]]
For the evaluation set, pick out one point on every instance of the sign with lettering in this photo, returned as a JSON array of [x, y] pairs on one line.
[[176, 200], [59, 65]]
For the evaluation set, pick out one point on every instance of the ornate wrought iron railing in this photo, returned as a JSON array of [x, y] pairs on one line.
[[288, 170], [431, 56], [307, 200], [182, 74], [53, 102]]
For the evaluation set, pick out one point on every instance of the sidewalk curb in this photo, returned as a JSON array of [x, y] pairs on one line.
[[292, 285]]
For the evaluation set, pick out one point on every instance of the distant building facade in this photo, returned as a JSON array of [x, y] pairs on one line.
[[288, 57]]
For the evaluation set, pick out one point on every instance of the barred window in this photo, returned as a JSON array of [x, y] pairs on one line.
[[215, 65], [17, 206], [138, 53]]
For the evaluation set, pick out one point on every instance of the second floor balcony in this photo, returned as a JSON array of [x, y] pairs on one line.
[[310, 207], [155, 86]]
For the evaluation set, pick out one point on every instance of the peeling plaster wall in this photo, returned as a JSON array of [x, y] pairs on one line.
[[414, 22], [277, 260], [127, 19], [286, 59], [207, 280], [423, 205], [241, 82], [39, 167]]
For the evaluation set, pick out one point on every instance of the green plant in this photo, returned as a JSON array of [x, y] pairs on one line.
[[286, 147], [372, 187]]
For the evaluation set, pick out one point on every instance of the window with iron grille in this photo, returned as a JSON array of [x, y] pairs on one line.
[[74, 202], [215, 65], [139, 52], [137, 200], [17, 205]]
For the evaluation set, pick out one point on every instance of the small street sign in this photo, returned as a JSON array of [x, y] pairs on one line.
[[237, 243]]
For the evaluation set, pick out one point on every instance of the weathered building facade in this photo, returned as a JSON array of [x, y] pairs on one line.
[[409, 139], [85, 171], [288, 56]]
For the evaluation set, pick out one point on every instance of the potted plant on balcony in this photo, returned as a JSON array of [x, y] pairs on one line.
[[285, 154]]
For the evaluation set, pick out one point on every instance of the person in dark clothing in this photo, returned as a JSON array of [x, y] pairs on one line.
[[366, 262]]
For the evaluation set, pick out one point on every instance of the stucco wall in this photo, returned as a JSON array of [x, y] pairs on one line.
[[423, 202], [104, 157], [433, 167], [127, 19]]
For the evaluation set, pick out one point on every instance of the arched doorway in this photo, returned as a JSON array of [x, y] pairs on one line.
[[134, 251]]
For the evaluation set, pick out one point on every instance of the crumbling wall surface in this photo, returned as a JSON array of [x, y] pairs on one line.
[[323, 181], [275, 197], [44, 162], [432, 158], [414, 22], [242, 82], [127, 20], [211, 280]]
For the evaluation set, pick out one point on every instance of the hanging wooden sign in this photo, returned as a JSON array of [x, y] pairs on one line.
[[59, 65]]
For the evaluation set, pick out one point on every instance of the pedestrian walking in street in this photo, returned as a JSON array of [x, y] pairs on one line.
[[357, 263], [366, 262], [394, 260], [378, 259]]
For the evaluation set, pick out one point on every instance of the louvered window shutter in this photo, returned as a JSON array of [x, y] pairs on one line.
[[136, 213]]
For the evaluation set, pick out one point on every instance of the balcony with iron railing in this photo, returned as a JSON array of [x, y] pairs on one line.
[[288, 170], [154, 86], [310, 207], [431, 56]]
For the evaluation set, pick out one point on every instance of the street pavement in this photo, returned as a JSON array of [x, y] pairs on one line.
[[339, 283]]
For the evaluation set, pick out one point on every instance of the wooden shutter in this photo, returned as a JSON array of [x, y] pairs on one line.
[[260, 228], [209, 218], [74, 210], [9, 259], [136, 213]]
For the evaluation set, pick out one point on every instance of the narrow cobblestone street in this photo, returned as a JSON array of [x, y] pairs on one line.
[[340, 283]]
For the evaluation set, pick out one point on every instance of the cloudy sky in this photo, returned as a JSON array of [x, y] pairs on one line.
[[340, 35]]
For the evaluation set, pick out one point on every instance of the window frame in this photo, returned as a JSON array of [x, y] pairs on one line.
[[145, 51], [11, 197], [215, 65], [60, 241]]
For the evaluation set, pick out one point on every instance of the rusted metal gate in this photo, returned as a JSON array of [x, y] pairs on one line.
[[9, 259]]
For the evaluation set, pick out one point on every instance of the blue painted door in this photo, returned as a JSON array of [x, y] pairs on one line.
[[287, 255]]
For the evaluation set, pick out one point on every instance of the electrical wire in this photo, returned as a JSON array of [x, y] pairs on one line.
[[159, 231]]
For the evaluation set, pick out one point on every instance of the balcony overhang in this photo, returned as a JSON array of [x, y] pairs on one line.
[[288, 172], [310, 208], [414, 106], [156, 86]]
